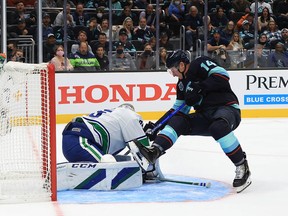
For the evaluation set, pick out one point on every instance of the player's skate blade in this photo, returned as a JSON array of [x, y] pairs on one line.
[[140, 159], [244, 186]]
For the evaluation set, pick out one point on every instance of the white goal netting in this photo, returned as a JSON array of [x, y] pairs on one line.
[[25, 129]]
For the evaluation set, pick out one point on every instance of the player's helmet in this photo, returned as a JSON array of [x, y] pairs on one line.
[[176, 57]]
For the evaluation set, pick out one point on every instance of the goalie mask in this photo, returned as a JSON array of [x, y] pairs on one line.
[[127, 106]]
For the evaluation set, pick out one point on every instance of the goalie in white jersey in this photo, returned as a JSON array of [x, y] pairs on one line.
[[88, 138]]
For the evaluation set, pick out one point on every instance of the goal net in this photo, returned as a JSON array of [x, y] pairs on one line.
[[27, 133]]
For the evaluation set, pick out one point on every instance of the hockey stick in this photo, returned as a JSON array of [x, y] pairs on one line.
[[202, 184], [166, 119]]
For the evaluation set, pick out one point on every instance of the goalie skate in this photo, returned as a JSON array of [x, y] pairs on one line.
[[138, 157]]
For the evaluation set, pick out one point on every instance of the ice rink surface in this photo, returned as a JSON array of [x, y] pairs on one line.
[[266, 144]]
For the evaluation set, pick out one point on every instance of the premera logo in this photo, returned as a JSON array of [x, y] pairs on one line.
[[115, 93], [266, 82]]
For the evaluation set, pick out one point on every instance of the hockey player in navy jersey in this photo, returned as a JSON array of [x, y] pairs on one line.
[[204, 85], [88, 138]]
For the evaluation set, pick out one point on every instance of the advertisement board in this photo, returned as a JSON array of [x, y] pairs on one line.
[[260, 93]]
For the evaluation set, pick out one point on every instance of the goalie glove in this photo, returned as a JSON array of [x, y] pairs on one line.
[[193, 95], [148, 129]]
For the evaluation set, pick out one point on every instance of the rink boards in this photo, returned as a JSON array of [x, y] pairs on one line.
[[261, 93]]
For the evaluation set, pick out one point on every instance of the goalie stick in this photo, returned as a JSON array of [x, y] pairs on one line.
[[202, 184]]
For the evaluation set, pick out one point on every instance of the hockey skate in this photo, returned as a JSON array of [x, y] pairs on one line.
[[242, 179]]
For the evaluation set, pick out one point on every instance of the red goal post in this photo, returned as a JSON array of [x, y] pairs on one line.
[[27, 133]]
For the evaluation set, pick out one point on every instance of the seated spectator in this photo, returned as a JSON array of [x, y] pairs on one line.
[[248, 17], [228, 31], [93, 31], [116, 8], [104, 27], [240, 5], [264, 19], [217, 44], [59, 20], [46, 26], [121, 60], [263, 41], [235, 50], [123, 39], [18, 56], [261, 5], [102, 41], [150, 16], [31, 20], [263, 51], [20, 29], [216, 47], [83, 60], [11, 48], [219, 19], [164, 42], [102, 58], [49, 48], [82, 37], [143, 32], [80, 17], [192, 22], [152, 42], [284, 37], [279, 58], [235, 43], [128, 25], [146, 60], [162, 58], [176, 12], [210, 29], [199, 4], [59, 60], [273, 34], [18, 13], [127, 12], [247, 34]]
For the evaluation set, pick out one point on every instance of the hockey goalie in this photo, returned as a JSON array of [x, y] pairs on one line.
[[95, 147]]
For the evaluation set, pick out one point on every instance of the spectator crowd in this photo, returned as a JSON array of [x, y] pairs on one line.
[[230, 27]]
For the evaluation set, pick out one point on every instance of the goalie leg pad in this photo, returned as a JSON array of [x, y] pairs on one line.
[[99, 176]]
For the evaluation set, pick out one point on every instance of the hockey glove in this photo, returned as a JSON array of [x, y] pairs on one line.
[[193, 95], [148, 130]]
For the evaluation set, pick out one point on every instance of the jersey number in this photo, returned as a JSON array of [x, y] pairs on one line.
[[207, 65]]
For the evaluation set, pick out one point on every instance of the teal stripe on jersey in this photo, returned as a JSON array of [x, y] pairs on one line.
[[103, 133], [170, 132], [218, 70], [91, 149], [229, 142]]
